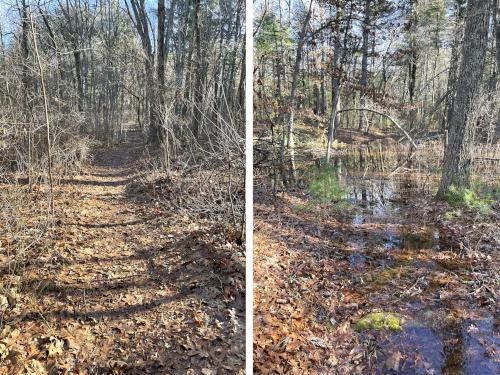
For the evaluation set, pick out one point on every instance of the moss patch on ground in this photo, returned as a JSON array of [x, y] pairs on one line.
[[461, 196], [378, 321]]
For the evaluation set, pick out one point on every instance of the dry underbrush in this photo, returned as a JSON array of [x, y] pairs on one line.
[[169, 247], [25, 223], [212, 189]]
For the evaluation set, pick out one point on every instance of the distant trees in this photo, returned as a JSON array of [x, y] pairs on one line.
[[365, 62], [173, 68]]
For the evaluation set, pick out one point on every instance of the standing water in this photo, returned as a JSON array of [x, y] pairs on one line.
[[394, 256]]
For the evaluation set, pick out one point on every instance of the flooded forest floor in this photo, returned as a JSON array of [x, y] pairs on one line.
[[359, 270], [123, 284]]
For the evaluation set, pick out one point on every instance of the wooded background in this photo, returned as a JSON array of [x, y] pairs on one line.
[[172, 69], [421, 68]]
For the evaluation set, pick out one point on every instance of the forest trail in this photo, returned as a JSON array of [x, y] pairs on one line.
[[130, 286]]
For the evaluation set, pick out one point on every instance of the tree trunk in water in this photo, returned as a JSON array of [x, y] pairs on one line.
[[364, 63], [412, 64], [339, 58], [334, 119], [458, 152], [295, 75]]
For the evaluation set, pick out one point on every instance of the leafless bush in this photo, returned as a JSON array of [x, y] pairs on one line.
[[72, 155], [22, 233], [203, 176]]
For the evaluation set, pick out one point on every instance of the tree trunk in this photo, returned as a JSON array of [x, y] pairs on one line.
[[453, 71], [198, 95], [339, 58], [46, 113], [156, 135], [295, 75], [364, 62], [78, 75], [413, 60], [458, 152]]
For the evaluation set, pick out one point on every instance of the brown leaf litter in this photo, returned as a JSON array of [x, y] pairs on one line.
[[127, 286]]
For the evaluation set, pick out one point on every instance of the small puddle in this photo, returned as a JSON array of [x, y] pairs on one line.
[[468, 347], [407, 239]]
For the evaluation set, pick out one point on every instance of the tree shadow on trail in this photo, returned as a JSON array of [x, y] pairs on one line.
[[96, 182], [188, 267], [113, 225]]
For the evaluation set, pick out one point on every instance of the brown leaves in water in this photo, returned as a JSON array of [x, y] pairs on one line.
[[307, 292]]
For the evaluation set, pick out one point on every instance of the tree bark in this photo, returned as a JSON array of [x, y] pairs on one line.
[[364, 62], [339, 58], [296, 69], [198, 95], [156, 135], [458, 152]]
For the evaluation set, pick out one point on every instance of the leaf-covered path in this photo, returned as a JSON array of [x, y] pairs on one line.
[[128, 286]]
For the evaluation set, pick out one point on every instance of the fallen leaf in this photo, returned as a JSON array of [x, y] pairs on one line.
[[393, 361]]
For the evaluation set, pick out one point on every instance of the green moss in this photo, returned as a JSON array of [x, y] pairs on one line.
[[463, 196], [456, 195], [379, 320], [325, 186]]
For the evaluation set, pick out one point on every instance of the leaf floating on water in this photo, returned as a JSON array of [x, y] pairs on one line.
[[393, 362]]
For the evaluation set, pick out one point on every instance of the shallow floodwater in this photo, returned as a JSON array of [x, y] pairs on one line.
[[382, 224]]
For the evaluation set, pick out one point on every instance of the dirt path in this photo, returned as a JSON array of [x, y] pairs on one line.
[[130, 286]]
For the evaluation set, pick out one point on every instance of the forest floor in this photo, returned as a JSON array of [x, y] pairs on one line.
[[126, 285], [385, 280]]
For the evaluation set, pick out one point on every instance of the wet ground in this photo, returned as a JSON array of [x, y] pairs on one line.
[[397, 260], [439, 341]]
